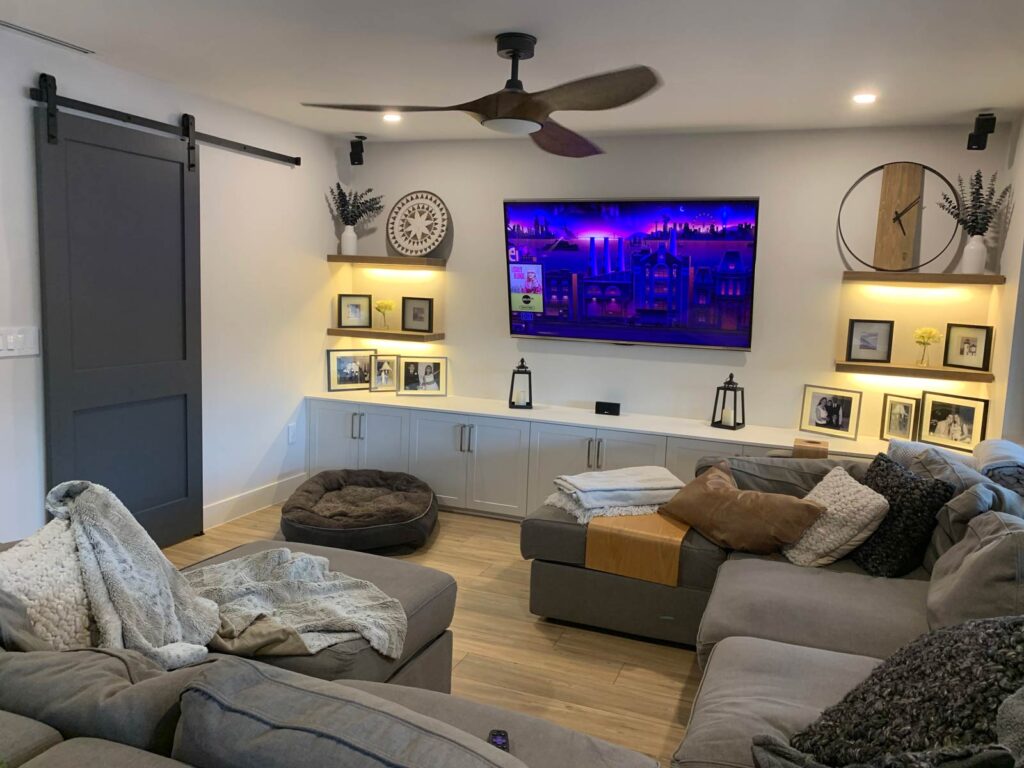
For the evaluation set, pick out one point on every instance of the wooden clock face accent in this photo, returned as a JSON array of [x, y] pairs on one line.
[[907, 189], [417, 224], [898, 235]]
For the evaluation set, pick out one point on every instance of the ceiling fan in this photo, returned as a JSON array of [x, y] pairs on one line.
[[516, 111]]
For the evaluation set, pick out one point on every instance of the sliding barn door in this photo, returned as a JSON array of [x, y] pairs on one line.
[[119, 251]]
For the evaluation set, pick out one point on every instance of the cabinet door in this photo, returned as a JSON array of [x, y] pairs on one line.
[[557, 450], [384, 439], [617, 450], [436, 454], [684, 453], [332, 441], [499, 460]]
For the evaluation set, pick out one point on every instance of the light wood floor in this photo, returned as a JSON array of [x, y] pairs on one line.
[[624, 690]]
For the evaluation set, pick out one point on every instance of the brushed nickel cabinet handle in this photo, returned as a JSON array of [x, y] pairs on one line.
[[353, 432], [590, 453]]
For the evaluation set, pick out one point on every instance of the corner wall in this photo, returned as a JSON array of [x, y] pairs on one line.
[[264, 232], [800, 177]]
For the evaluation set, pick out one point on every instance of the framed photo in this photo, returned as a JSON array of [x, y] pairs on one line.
[[348, 369], [354, 310], [830, 411], [968, 346], [869, 341], [899, 417], [422, 375], [417, 314], [953, 421], [383, 373]]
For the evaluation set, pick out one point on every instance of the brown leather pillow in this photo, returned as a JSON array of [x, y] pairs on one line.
[[748, 521]]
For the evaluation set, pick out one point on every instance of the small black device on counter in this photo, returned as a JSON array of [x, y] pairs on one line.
[[607, 409], [498, 739]]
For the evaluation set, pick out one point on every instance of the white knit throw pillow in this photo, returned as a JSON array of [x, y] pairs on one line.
[[43, 573], [852, 513]]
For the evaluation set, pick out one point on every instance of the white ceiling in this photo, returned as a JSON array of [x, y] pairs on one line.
[[726, 64]]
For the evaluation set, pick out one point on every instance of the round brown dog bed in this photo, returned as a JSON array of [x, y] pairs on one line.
[[360, 509]]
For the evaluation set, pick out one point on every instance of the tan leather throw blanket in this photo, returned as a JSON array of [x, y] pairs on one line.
[[640, 547]]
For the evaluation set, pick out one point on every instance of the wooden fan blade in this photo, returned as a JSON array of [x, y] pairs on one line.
[[612, 89], [559, 140], [382, 108]]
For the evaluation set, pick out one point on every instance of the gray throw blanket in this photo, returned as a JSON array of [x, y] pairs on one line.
[[140, 601]]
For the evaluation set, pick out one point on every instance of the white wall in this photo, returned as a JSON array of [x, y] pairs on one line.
[[1009, 310], [800, 178], [265, 287]]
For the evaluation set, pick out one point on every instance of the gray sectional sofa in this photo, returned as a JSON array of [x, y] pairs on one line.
[[344, 706], [778, 643]]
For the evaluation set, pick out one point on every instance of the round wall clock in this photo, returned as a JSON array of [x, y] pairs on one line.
[[896, 197], [417, 224]]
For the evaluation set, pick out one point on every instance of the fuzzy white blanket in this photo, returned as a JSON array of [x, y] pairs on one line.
[[94, 577], [629, 487], [583, 515]]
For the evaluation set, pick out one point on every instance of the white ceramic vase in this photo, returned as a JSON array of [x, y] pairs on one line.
[[349, 241], [975, 257]]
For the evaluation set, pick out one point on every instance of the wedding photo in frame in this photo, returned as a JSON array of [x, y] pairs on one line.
[[899, 417], [423, 376], [968, 346], [831, 411]]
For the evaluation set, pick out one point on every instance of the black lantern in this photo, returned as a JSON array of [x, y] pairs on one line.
[[520, 394], [730, 409]]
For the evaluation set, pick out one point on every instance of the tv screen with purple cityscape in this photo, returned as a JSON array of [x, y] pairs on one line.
[[675, 272]]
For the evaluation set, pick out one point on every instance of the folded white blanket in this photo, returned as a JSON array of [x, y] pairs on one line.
[[998, 454], [630, 487], [583, 515]]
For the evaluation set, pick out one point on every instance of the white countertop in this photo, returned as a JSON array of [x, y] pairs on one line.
[[628, 422]]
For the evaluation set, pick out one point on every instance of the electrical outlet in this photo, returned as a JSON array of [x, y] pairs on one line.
[[291, 433], [19, 341]]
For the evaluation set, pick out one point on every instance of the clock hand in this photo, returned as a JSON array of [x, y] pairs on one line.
[[899, 221], [898, 215]]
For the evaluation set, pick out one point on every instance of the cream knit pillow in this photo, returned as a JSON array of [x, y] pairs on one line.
[[852, 513]]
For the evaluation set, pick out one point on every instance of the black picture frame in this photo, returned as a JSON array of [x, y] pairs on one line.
[[925, 435], [915, 420], [334, 380], [854, 399], [368, 298], [986, 355], [407, 302], [850, 337]]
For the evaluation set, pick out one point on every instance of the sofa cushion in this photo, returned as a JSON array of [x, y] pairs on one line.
[[944, 689], [982, 575], [934, 465], [852, 512], [795, 477], [898, 545], [22, 738], [903, 453], [1003, 462], [538, 743], [76, 753], [241, 712], [426, 594], [755, 687], [749, 521], [958, 512], [814, 607], [552, 534], [104, 693]]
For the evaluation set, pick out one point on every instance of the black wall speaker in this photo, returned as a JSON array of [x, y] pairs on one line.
[[607, 409]]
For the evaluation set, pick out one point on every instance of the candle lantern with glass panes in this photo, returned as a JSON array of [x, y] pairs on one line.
[[730, 410], [520, 394]]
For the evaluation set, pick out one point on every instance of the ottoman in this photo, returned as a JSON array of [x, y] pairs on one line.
[[562, 587]]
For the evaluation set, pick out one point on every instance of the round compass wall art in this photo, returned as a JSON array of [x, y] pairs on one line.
[[417, 224]]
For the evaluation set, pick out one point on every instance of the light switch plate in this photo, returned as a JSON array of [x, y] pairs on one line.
[[19, 341]]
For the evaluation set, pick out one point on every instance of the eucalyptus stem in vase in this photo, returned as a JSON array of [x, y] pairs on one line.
[[350, 208], [975, 209], [924, 338]]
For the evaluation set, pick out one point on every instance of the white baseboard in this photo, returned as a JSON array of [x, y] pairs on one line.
[[244, 503]]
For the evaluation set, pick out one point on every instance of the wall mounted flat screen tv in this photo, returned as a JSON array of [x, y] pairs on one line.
[[673, 272]]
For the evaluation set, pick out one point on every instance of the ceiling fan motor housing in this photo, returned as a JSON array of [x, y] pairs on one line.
[[512, 43]]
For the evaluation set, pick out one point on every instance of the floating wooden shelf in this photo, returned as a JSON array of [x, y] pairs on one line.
[[936, 278], [390, 262], [885, 369], [373, 333]]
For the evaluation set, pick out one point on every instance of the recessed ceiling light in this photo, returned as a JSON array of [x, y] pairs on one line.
[[865, 98], [392, 117]]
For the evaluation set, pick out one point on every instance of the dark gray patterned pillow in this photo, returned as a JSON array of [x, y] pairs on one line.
[[942, 690], [898, 545]]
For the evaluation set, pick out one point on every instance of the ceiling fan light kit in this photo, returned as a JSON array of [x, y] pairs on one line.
[[517, 112]]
